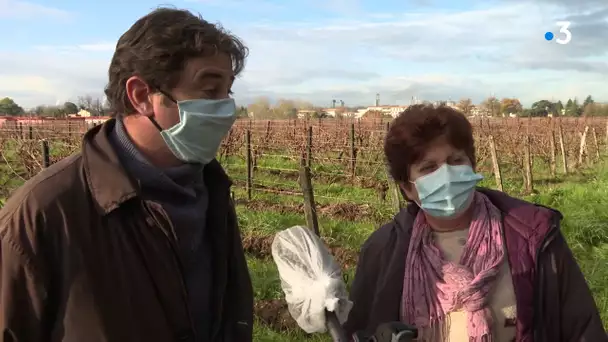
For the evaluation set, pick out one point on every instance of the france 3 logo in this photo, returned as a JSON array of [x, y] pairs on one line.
[[563, 30]]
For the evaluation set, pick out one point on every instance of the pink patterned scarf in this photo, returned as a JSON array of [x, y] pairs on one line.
[[433, 287]]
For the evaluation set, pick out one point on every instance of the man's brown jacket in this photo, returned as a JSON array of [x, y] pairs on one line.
[[85, 259]]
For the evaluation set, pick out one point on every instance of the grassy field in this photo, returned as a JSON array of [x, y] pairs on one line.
[[352, 203]]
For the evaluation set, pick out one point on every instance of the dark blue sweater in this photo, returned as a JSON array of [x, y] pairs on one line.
[[183, 195]]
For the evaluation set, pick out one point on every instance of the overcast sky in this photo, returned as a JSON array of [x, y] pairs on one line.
[[319, 50]]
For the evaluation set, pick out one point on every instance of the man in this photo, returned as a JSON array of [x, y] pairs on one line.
[[135, 238]]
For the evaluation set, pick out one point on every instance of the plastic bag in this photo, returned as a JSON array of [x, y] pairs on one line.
[[310, 277]]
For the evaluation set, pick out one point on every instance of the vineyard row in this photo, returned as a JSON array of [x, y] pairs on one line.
[[268, 156]]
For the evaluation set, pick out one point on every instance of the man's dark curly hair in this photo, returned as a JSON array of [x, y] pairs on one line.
[[157, 47]]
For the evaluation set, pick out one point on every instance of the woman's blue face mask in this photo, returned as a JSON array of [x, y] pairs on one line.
[[447, 191]]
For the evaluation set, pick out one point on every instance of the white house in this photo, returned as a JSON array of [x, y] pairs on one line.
[[393, 111]]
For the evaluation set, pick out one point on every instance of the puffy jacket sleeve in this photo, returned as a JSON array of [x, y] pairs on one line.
[[21, 297], [579, 316], [23, 290], [376, 288], [360, 292]]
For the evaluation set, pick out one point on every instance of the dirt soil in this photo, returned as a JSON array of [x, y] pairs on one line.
[[275, 314], [260, 247]]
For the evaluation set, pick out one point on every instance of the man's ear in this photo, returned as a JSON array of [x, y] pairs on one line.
[[139, 93]]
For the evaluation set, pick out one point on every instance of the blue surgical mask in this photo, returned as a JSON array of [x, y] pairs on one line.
[[202, 126], [447, 191]]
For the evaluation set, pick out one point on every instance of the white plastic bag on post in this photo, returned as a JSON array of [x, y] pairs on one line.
[[310, 277]]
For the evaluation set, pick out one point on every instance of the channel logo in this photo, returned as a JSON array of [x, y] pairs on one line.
[[563, 29]]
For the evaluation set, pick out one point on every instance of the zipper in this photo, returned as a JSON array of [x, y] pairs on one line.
[[538, 286], [177, 259]]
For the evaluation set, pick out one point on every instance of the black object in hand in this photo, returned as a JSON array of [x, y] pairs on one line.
[[389, 332]]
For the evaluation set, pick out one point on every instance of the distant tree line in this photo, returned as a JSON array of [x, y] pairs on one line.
[[95, 106], [492, 106], [264, 108]]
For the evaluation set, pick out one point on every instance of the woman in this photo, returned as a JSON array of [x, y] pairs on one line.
[[463, 263]]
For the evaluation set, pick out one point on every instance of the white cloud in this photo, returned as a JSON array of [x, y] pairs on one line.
[[499, 50], [16, 9], [431, 55], [33, 79]]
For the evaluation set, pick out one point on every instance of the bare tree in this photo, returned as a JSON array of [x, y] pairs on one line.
[[465, 105], [97, 107], [491, 106], [285, 108], [260, 108], [85, 102]]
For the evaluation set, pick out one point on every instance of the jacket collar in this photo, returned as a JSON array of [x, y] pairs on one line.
[[532, 221], [108, 180]]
